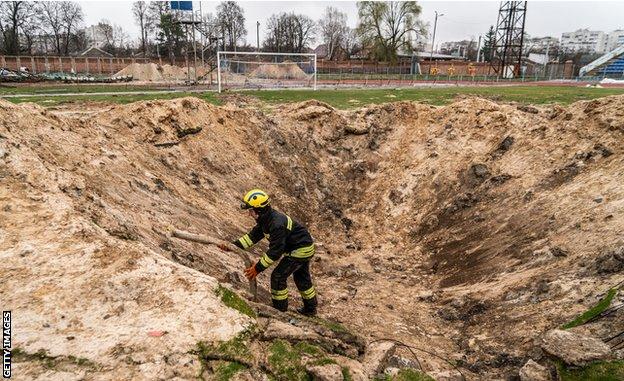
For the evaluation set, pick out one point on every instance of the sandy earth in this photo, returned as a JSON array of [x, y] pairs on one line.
[[152, 72], [442, 227]]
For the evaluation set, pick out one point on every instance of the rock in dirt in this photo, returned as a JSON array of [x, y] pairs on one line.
[[532, 371], [573, 348], [377, 356], [611, 262], [329, 372], [279, 330]]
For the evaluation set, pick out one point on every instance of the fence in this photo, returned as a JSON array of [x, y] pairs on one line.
[[82, 65]]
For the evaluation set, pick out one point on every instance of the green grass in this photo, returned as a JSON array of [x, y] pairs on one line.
[[341, 98], [226, 370], [235, 348], [120, 99], [602, 305], [346, 374], [285, 362], [51, 362], [232, 300], [37, 88], [353, 98], [598, 371]]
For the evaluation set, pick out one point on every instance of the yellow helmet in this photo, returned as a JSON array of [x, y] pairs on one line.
[[255, 198]]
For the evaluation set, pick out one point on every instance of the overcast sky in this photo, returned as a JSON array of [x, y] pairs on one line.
[[461, 20]]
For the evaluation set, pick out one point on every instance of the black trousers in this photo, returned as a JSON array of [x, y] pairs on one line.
[[300, 270]]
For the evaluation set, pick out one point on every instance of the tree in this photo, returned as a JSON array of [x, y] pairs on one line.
[[115, 38], [72, 17], [333, 31], [387, 28], [145, 21], [231, 22], [488, 45], [51, 20], [15, 17], [288, 32]]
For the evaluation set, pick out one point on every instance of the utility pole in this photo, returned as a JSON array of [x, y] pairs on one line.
[[435, 24], [258, 35], [479, 49]]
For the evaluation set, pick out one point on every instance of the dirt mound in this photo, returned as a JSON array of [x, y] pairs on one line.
[[285, 70], [156, 73], [437, 226]]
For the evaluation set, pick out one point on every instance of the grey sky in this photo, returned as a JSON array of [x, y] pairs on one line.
[[461, 20]]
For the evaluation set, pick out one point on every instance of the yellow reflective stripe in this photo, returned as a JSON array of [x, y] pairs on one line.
[[266, 261], [279, 294], [245, 241], [289, 223], [309, 293], [303, 252]]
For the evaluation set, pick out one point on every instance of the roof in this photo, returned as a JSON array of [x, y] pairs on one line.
[[95, 51], [436, 56]]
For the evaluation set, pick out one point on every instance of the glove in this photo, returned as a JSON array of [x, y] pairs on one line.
[[251, 272]]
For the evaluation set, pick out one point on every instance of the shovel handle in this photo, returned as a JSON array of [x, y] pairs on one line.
[[206, 240]]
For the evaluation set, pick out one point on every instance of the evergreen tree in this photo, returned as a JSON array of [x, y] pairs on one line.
[[488, 44]]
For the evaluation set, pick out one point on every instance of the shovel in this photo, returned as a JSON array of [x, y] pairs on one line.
[[253, 285]]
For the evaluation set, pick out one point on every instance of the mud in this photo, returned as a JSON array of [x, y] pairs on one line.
[[434, 224]]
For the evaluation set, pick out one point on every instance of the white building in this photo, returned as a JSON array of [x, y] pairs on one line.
[[96, 35], [584, 40], [615, 39]]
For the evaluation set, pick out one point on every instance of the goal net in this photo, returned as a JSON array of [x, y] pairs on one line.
[[254, 70]]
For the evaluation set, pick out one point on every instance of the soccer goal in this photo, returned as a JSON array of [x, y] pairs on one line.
[[261, 70]]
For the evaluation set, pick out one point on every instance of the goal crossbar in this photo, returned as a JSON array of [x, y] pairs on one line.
[[226, 52]]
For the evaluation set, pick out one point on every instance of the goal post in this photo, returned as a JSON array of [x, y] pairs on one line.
[[257, 70]]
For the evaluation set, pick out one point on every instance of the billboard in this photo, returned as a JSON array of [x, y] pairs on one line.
[[182, 5]]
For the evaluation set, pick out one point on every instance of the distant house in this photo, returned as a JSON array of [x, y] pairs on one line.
[[94, 51]]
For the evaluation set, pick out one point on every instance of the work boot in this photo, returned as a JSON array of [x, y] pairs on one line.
[[309, 307], [281, 305]]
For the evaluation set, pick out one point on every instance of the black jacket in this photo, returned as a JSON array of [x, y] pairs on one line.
[[286, 236]]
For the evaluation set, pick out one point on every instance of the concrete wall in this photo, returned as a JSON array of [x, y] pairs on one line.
[[82, 65]]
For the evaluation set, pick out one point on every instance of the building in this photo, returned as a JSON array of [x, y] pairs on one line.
[[96, 35], [584, 40], [615, 39], [541, 44]]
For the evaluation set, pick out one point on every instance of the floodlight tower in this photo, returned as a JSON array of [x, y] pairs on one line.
[[507, 49]]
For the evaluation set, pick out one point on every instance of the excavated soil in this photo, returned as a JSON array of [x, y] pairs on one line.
[[286, 70], [467, 230], [152, 72]]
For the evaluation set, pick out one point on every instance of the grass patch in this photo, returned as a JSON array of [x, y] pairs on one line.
[[331, 325], [232, 300], [346, 374], [598, 371], [602, 305], [353, 98], [235, 348], [285, 362], [48, 101], [226, 370], [51, 362], [339, 98]]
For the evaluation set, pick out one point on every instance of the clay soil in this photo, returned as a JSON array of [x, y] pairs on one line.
[[467, 230]]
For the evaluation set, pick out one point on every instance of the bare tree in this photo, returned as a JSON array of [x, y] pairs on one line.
[[231, 21], [145, 21], [386, 28], [15, 17], [72, 17], [51, 20], [288, 32], [116, 39], [333, 31]]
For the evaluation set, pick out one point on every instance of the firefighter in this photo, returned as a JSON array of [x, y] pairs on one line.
[[288, 240]]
